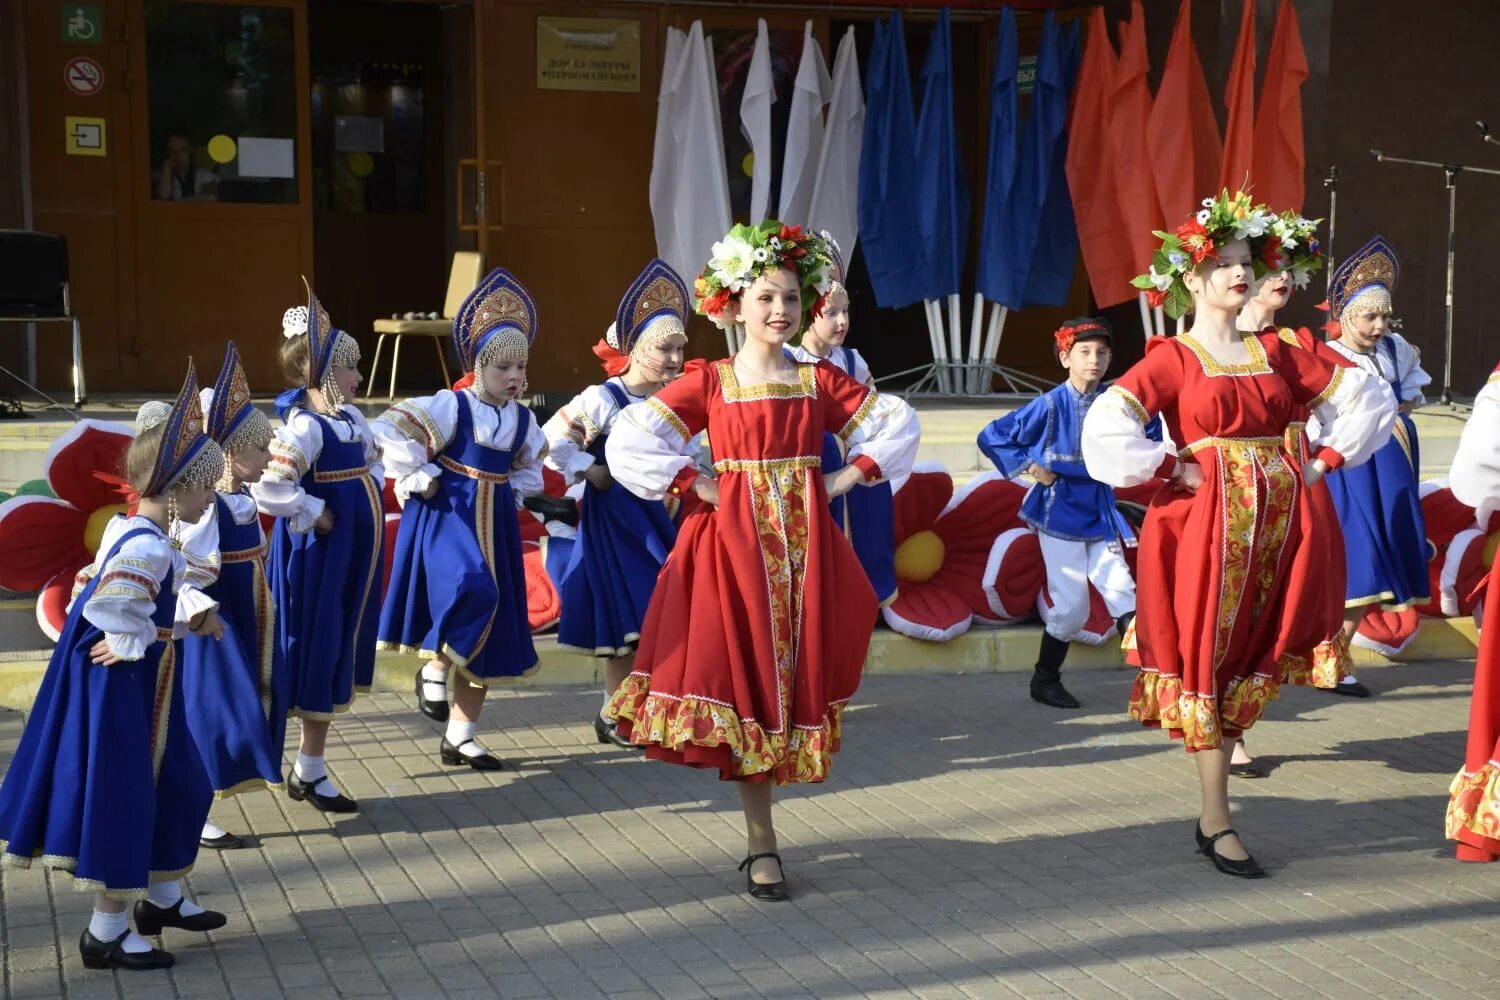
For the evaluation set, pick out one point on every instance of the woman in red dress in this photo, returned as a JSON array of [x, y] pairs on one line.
[[1231, 595], [1474, 798], [756, 633]]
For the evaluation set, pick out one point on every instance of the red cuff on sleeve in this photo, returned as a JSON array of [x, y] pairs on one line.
[[684, 481], [1330, 458], [1168, 467], [868, 466]]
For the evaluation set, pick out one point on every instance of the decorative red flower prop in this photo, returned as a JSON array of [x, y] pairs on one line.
[[1195, 240], [47, 540], [943, 548], [1271, 254]]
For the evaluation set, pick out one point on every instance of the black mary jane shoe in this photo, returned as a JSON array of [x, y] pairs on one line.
[[306, 791], [1249, 769], [1355, 690], [1248, 868], [770, 892], [150, 918], [437, 711], [454, 756], [1051, 692], [225, 841], [608, 732], [98, 954]]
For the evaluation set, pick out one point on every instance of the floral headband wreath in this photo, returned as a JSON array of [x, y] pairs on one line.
[[1293, 247], [747, 252], [1221, 220]]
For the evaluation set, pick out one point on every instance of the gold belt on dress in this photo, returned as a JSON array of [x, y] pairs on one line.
[[468, 470], [243, 555], [163, 634], [341, 476], [771, 465], [1255, 444]]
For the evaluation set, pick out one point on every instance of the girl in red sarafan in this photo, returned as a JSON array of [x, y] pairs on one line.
[[756, 634], [1231, 596]]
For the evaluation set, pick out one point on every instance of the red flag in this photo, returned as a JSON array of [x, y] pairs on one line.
[[1239, 95], [1183, 133], [1103, 234], [1279, 160], [1129, 114]]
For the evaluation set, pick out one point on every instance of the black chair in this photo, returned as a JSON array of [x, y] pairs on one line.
[[34, 289]]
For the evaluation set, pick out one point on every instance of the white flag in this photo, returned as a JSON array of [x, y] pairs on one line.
[[804, 133], [664, 158], [701, 214], [835, 199], [755, 122]]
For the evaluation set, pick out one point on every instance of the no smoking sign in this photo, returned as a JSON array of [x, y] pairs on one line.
[[84, 76]]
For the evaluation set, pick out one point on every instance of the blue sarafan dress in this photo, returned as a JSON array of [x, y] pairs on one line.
[[236, 687], [458, 585], [326, 588], [866, 514], [606, 583], [106, 783]]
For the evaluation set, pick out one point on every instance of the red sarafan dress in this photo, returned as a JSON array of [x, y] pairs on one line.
[[1474, 798], [756, 633], [1233, 592]]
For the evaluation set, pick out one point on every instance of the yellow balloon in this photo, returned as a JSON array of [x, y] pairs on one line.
[[221, 149], [361, 164], [748, 164]]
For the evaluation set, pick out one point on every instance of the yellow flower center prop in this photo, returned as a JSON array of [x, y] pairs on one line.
[[93, 532], [919, 558]]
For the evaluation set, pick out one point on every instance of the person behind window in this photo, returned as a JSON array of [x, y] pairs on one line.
[[176, 177]]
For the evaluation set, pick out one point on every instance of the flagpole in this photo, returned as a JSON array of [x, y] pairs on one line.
[[956, 338], [1331, 182], [976, 360], [1145, 315]]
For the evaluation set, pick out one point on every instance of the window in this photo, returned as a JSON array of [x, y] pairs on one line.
[[222, 100]]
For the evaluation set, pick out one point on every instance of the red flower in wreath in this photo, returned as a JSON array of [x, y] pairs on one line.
[[1271, 254], [47, 540], [949, 547], [1156, 297], [1195, 240]]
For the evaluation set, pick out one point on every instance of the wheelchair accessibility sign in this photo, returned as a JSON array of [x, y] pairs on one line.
[[82, 23], [85, 136]]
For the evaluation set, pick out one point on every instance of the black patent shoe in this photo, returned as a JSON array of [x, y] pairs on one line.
[[1355, 690], [306, 791], [437, 711], [454, 756], [564, 510], [770, 892], [1248, 868], [1051, 692], [150, 918], [225, 841], [98, 954], [608, 732]]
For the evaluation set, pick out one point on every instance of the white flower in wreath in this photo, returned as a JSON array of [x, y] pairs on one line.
[[1251, 227], [1203, 217], [733, 262], [762, 255], [1300, 277], [1161, 282]]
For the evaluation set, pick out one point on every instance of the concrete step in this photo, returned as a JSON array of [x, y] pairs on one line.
[[18, 627], [979, 651]]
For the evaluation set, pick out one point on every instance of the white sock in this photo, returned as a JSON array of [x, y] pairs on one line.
[[211, 832], [108, 926], [315, 770], [1349, 679], [435, 682], [461, 735], [166, 895]]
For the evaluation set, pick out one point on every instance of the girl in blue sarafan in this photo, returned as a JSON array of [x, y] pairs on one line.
[[236, 690], [867, 516], [1379, 503], [1081, 531], [106, 783], [324, 485], [462, 459], [622, 540]]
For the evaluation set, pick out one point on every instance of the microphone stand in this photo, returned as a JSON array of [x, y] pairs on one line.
[[1484, 133], [1450, 173], [1331, 182]]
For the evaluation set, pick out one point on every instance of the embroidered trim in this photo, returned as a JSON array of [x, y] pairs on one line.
[[244, 555], [1135, 406], [1336, 380], [417, 424], [1243, 444], [1257, 365], [453, 465], [342, 475], [859, 416], [771, 465], [807, 387], [665, 412], [289, 455]]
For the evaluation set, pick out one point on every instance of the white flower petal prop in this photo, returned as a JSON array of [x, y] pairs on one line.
[[294, 322], [1162, 282]]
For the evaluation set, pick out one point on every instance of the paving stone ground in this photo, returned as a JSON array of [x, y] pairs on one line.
[[969, 844]]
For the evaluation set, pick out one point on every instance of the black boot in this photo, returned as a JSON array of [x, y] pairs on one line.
[[1046, 680]]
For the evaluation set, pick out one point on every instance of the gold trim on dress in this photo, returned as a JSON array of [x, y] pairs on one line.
[[1246, 445], [1258, 364], [1135, 406], [1334, 381], [775, 466], [665, 412], [863, 411], [342, 475], [480, 475], [734, 392]]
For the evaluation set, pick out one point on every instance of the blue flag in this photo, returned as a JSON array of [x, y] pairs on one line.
[[887, 172], [942, 193], [1056, 251], [993, 279]]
